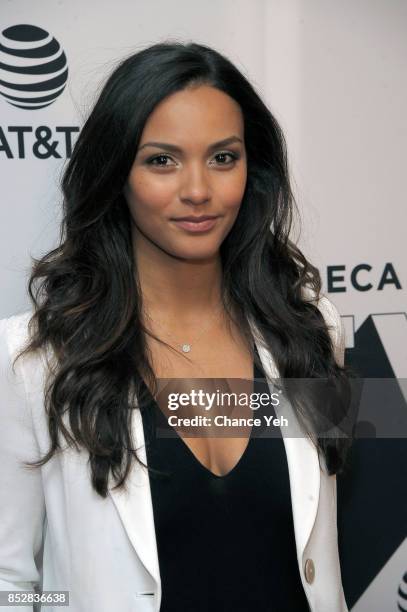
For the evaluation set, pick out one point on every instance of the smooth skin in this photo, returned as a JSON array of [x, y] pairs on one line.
[[180, 272]]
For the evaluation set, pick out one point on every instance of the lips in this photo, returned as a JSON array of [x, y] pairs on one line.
[[197, 224], [196, 219]]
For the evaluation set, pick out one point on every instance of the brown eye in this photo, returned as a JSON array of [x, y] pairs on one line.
[[161, 158], [226, 154]]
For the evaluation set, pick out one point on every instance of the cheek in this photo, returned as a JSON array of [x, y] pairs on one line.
[[146, 194], [231, 191]]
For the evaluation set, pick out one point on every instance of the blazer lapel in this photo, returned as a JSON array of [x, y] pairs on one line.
[[302, 457], [134, 504]]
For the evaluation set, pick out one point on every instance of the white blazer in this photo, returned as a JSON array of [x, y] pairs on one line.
[[57, 532]]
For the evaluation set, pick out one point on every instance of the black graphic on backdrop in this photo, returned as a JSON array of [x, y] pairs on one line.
[[341, 278], [26, 53], [372, 503], [33, 74]]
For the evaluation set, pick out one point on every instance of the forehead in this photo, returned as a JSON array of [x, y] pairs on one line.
[[202, 113]]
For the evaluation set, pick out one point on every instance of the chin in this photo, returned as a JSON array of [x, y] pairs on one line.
[[195, 254]]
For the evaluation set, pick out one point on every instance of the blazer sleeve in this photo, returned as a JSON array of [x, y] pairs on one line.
[[22, 506], [335, 326]]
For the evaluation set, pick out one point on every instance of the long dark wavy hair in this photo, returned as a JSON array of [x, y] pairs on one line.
[[86, 295]]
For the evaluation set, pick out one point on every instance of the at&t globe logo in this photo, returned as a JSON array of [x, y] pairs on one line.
[[33, 67]]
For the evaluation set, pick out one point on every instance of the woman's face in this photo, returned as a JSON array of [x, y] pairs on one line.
[[183, 169]]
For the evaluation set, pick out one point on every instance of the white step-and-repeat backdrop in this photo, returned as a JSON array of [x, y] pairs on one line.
[[334, 75]]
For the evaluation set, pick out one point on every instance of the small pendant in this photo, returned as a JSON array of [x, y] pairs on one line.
[[186, 348]]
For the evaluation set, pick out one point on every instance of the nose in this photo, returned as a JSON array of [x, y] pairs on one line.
[[195, 187]]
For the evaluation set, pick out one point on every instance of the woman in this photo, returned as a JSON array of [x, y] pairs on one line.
[[135, 294]]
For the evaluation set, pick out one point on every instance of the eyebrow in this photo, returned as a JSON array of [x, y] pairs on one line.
[[176, 149]]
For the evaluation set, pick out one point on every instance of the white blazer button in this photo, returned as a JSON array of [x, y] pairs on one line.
[[309, 571]]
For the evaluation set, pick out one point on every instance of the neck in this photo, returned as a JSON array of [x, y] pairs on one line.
[[176, 289]]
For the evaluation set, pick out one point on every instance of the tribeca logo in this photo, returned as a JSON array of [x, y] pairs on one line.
[[33, 67], [339, 279]]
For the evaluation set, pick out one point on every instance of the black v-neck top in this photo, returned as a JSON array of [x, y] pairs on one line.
[[225, 543]]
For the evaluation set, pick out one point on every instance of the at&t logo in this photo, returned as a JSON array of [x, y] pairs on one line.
[[33, 67]]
